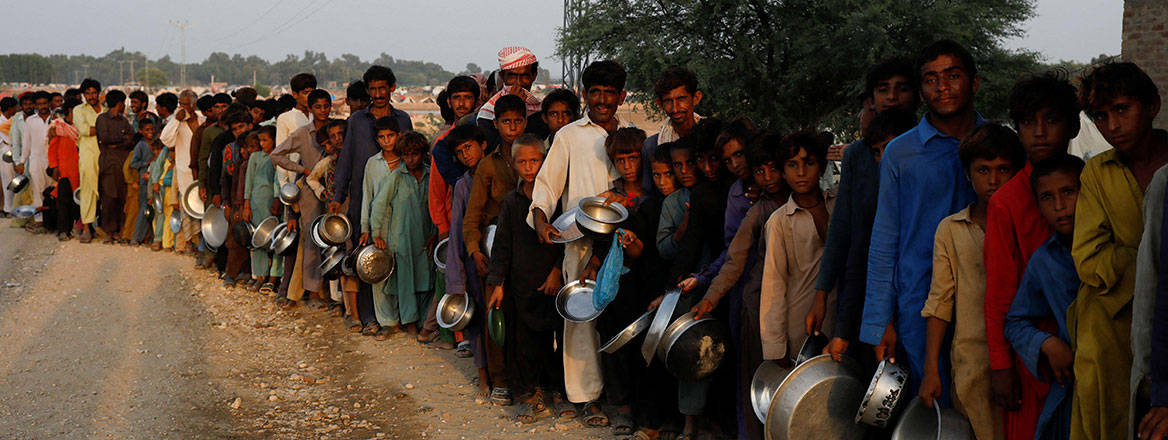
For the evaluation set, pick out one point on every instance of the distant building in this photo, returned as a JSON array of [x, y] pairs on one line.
[[1145, 42]]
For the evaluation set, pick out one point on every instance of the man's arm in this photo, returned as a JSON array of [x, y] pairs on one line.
[[1001, 262], [479, 193], [880, 295], [549, 183], [839, 230], [1099, 259], [292, 144]]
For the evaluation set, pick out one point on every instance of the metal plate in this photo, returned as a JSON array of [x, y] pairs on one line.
[[695, 348], [214, 227], [191, 204], [660, 321], [574, 301], [24, 211], [264, 232], [817, 400], [628, 333], [767, 378], [440, 252], [920, 422], [566, 224]]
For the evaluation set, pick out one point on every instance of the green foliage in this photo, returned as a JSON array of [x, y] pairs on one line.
[[25, 68], [151, 77], [262, 90], [794, 63]]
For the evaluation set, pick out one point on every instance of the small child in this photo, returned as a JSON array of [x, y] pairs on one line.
[[559, 108], [991, 155], [140, 161], [320, 179], [377, 171], [1046, 291], [494, 178], [258, 195], [675, 208], [62, 158], [161, 174], [249, 144]]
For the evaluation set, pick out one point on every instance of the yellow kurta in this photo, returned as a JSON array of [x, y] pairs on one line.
[[1108, 226], [957, 296], [84, 118]]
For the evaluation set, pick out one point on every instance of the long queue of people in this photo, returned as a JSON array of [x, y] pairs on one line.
[[1013, 281]]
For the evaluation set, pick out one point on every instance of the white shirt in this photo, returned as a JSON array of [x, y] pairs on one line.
[[35, 145], [177, 135], [1089, 141], [287, 123], [579, 149]]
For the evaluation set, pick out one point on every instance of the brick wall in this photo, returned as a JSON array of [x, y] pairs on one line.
[[1145, 42]]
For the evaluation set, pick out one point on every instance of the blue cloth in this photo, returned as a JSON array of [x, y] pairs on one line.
[[360, 145], [1047, 289], [921, 183], [1158, 364], [445, 163]]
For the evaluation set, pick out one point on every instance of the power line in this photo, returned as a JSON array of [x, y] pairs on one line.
[[241, 28], [301, 14]]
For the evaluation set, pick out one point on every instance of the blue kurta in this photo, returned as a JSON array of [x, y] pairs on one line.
[[1047, 289], [921, 183]]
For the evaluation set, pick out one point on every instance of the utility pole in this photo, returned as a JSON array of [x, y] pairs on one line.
[[133, 79], [121, 71], [573, 64], [182, 25], [86, 67]]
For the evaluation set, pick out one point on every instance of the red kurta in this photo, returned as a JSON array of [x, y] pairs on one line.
[[63, 157], [439, 193], [1014, 230]]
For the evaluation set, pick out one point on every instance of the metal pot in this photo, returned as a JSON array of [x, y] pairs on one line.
[[192, 205], [574, 301], [693, 348], [330, 264], [920, 422], [566, 224], [276, 234], [488, 239], [24, 211], [455, 311], [289, 193], [242, 231], [148, 212], [812, 346], [374, 265], [764, 385], [660, 321], [817, 400], [7, 156], [631, 331], [18, 183], [440, 254], [884, 393], [261, 237], [175, 221], [595, 216], [285, 242], [214, 227], [334, 229], [349, 264], [77, 198], [314, 235]]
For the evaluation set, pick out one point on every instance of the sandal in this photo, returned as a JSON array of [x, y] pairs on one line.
[[371, 328], [565, 410], [641, 434], [501, 396], [594, 416], [353, 326], [463, 350], [267, 288], [622, 425], [337, 310], [525, 414], [382, 334]]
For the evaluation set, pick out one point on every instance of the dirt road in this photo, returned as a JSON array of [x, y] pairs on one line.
[[102, 341]]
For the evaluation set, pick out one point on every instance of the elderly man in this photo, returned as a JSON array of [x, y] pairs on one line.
[[518, 69], [177, 136]]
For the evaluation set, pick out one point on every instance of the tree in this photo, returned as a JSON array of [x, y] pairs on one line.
[[151, 77], [472, 68], [794, 63]]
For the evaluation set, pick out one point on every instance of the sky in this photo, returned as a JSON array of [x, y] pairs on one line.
[[451, 33]]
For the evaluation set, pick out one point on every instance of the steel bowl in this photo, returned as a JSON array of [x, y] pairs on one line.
[[18, 183], [148, 212], [334, 229], [261, 237], [242, 231], [277, 232], [192, 205], [374, 265], [660, 320], [497, 326], [488, 241], [314, 235], [7, 156], [569, 229], [24, 211], [155, 200], [349, 264], [817, 400], [631, 331], [440, 252], [289, 193], [597, 217], [692, 349], [574, 301], [285, 243], [455, 311], [214, 226], [812, 346], [920, 422], [175, 221], [330, 263], [884, 392], [77, 198], [767, 378]]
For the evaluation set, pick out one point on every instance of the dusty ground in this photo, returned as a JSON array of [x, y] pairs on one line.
[[101, 341]]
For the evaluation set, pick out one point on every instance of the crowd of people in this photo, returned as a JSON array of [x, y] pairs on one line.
[[1017, 282]]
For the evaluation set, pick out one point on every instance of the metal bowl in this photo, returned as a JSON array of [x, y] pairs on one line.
[[812, 346], [817, 400], [285, 242], [192, 205], [920, 422], [440, 252], [574, 301], [262, 236], [884, 392], [242, 231], [374, 265], [277, 232], [660, 321], [330, 264], [175, 221], [334, 229], [314, 234], [155, 200], [7, 156], [18, 183], [488, 239], [214, 226], [24, 211], [497, 326], [148, 212], [77, 198], [597, 217], [764, 385], [455, 311], [692, 349], [289, 193], [566, 224], [349, 264], [629, 332]]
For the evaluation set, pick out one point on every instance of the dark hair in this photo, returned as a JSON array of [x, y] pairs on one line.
[[888, 69], [167, 100], [463, 133], [236, 113], [673, 78], [301, 81], [945, 47], [318, 94], [328, 126], [444, 109], [510, 103], [27, 96], [7, 103], [269, 130], [41, 94], [357, 90], [89, 83], [809, 141], [204, 103], [287, 102], [74, 92], [410, 142], [1059, 163], [1111, 80], [111, 99], [764, 148], [624, 141], [386, 123], [492, 84], [222, 98], [1050, 90], [566, 96], [463, 83], [145, 121], [705, 135], [889, 124], [661, 154], [604, 73], [379, 73], [991, 141], [56, 94], [246, 95], [140, 95], [70, 102], [741, 129]]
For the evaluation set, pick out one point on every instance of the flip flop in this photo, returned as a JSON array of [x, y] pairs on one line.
[[524, 414], [622, 425], [463, 350], [501, 396], [594, 415]]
